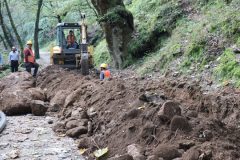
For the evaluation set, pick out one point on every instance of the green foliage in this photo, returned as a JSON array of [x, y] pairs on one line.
[[116, 15], [24, 15], [228, 68], [190, 42], [154, 21], [101, 54]]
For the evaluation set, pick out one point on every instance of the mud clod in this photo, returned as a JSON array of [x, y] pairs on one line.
[[180, 123]]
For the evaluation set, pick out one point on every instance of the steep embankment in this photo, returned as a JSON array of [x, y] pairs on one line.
[[197, 38], [200, 41], [153, 113]]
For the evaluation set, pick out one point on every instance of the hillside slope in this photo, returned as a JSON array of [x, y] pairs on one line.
[[200, 37], [190, 37]]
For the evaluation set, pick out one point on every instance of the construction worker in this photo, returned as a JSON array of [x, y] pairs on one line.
[[71, 40], [29, 59], [105, 73], [14, 59]]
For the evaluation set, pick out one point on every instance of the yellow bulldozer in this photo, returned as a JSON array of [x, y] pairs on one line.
[[75, 54]]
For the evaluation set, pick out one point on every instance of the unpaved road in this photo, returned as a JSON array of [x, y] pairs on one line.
[[31, 138], [44, 60]]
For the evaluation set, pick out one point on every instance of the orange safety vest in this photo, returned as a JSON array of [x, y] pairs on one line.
[[31, 57], [70, 39], [107, 74]]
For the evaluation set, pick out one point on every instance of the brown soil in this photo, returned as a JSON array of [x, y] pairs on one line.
[[124, 111]]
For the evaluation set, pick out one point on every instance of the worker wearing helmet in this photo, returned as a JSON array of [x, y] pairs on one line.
[[71, 40], [105, 73], [29, 59]]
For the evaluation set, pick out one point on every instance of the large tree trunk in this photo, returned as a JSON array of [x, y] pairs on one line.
[[13, 26], [36, 31], [117, 24], [4, 28], [3, 41]]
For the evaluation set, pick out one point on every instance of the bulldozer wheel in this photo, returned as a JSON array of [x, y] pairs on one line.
[[84, 67], [54, 61]]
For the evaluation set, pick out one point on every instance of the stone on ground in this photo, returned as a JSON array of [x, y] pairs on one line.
[[166, 152], [169, 109], [180, 123]]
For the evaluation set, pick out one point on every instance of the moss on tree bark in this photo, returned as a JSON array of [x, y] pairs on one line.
[[117, 23]]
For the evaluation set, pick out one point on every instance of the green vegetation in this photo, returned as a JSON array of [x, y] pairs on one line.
[[228, 68], [154, 21], [195, 38], [101, 54]]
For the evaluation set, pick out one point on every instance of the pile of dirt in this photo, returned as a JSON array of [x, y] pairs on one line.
[[143, 118]]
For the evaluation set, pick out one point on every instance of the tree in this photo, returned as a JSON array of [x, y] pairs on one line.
[[117, 24], [36, 30], [13, 26], [4, 28], [3, 41]]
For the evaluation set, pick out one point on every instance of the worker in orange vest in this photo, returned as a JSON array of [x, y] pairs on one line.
[[71, 40], [29, 59], [105, 73]]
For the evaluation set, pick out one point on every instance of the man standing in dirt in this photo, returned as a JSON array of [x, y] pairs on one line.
[[29, 59], [13, 59]]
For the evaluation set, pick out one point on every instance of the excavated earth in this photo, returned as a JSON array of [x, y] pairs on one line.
[[139, 117]]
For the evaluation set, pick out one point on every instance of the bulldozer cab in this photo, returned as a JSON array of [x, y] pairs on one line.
[[67, 46], [71, 48], [67, 32]]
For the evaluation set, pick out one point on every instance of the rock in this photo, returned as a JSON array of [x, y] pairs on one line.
[[169, 109], [75, 132], [50, 121], [153, 157], [181, 85], [122, 157], [133, 113], [180, 123], [193, 114], [17, 91], [91, 112], [186, 145], [235, 49], [147, 132], [206, 155], [37, 94], [152, 97], [208, 135], [76, 112], [83, 115], [84, 143], [58, 100], [38, 108], [72, 124], [136, 151], [166, 152], [58, 126], [54, 108], [13, 154], [89, 127], [191, 154]]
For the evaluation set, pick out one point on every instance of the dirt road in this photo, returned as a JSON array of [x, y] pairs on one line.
[[31, 138], [44, 60]]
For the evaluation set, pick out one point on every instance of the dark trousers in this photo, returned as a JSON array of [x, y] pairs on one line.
[[14, 66], [29, 66]]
